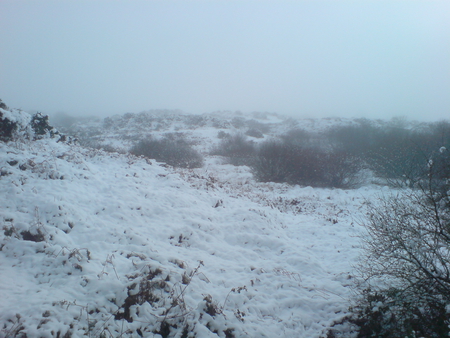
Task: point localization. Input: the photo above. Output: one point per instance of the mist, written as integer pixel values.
(374, 59)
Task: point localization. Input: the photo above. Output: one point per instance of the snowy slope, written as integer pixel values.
(122, 131)
(103, 244)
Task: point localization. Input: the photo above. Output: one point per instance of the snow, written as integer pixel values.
(82, 228)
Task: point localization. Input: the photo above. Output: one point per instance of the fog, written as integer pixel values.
(374, 59)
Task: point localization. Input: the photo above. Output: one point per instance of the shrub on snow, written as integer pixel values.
(404, 285)
(285, 161)
(16, 124)
(13, 124)
(175, 152)
(236, 148)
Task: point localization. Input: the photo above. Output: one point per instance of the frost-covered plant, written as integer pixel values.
(41, 126)
(8, 125)
(156, 301)
(19, 125)
(7, 128)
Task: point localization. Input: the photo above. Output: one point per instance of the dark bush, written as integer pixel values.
(274, 162)
(236, 148)
(3, 105)
(175, 152)
(297, 137)
(7, 128)
(221, 134)
(262, 127)
(400, 156)
(287, 161)
(253, 132)
(355, 139)
(238, 122)
(195, 121)
(393, 152)
(41, 126)
(341, 170)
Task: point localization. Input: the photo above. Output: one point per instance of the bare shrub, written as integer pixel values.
(393, 152)
(342, 170)
(273, 162)
(400, 156)
(285, 161)
(173, 151)
(262, 127)
(298, 137)
(404, 285)
(236, 148)
(355, 139)
(238, 122)
(221, 134)
(253, 132)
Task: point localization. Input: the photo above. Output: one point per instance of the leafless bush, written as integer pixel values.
(273, 162)
(236, 148)
(342, 170)
(253, 132)
(297, 137)
(262, 127)
(405, 271)
(393, 152)
(282, 161)
(173, 151)
(221, 134)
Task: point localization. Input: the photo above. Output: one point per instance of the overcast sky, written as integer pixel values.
(376, 59)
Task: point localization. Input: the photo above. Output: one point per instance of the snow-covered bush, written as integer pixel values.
(41, 126)
(3, 105)
(175, 152)
(7, 128)
(14, 124)
(405, 271)
(19, 125)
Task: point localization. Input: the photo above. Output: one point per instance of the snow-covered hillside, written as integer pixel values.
(104, 244)
(122, 131)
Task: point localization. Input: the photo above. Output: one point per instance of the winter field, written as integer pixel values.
(108, 244)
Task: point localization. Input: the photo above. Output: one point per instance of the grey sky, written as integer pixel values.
(304, 58)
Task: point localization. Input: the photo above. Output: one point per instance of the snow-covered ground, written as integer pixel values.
(110, 245)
